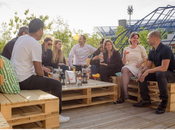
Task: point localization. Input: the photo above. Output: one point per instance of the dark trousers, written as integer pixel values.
(43, 83)
(78, 67)
(64, 67)
(106, 73)
(162, 78)
(94, 70)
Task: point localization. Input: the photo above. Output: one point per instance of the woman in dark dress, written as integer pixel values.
(58, 58)
(47, 55)
(112, 61)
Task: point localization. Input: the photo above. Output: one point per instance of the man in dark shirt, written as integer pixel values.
(163, 59)
(7, 51)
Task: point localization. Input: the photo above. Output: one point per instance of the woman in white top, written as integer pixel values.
(133, 56)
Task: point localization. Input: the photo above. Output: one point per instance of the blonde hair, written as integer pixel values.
(57, 55)
(113, 47)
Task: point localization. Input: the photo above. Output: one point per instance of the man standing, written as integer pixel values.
(80, 52)
(8, 48)
(163, 59)
(26, 59)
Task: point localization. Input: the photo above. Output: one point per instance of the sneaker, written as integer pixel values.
(64, 119)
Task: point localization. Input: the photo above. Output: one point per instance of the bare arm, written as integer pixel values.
(38, 68)
(71, 54)
(147, 69)
(124, 57)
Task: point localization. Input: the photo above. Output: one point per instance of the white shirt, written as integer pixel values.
(80, 54)
(25, 51)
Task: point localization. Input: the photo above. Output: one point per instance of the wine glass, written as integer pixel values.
(101, 57)
(94, 76)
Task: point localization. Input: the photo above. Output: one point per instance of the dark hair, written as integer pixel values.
(132, 35)
(35, 25)
(83, 37)
(47, 39)
(101, 42)
(23, 29)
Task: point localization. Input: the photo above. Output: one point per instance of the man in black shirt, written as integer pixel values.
(163, 59)
(8, 48)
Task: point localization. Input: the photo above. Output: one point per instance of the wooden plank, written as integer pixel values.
(101, 93)
(90, 84)
(73, 96)
(4, 101)
(1, 80)
(1, 63)
(154, 90)
(171, 98)
(6, 112)
(171, 88)
(133, 85)
(3, 123)
(29, 95)
(15, 98)
(52, 106)
(51, 123)
(134, 94)
(43, 95)
(73, 106)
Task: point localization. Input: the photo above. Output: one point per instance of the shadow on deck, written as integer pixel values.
(117, 116)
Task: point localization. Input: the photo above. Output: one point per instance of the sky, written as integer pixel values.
(82, 14)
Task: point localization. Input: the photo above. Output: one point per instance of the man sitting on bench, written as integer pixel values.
(26, 59)
(163, 59)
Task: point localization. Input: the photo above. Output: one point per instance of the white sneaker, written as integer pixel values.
(64, 119)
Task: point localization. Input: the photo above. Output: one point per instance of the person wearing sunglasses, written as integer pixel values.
(58, 58)
(47, 55)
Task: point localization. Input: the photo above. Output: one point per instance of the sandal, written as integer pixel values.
(119, 101)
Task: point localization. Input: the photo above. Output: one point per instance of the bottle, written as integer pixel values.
(101, 57)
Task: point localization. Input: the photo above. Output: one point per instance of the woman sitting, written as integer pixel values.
(112, 61)
(47, 55)
(133, 56)
(95, 59)
(58, 58)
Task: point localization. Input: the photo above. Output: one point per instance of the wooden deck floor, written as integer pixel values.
(117, 116)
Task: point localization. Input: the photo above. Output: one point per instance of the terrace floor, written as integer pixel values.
(117, 116)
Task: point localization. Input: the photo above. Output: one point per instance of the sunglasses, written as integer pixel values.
(49, 44)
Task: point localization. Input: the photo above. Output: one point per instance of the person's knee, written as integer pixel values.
(160, 75)
(57, 85)
(125, 70)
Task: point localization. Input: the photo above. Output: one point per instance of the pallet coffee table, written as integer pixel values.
(92, 93)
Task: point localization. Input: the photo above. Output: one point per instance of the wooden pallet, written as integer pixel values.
(153, 87)
(23, 108)
(95, 92)
(3, 123)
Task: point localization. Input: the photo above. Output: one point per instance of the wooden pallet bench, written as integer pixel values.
(3, 123)
(30, 106)
(95, 92)
(135, 97)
